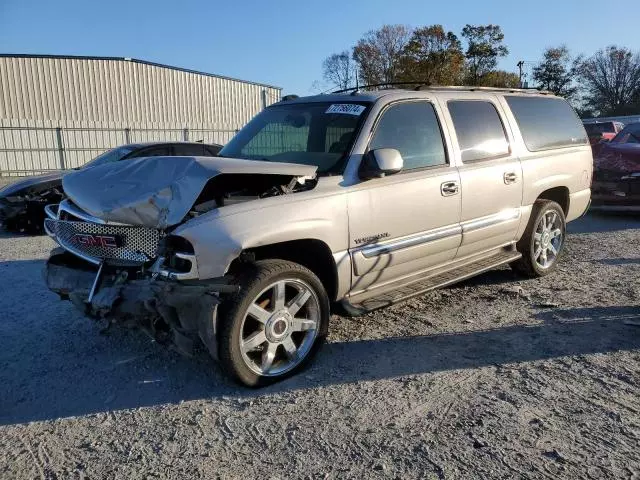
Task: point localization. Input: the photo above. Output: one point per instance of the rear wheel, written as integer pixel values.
(543, 240)
(274, 326)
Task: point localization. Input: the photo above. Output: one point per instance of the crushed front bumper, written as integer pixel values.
(177, 312)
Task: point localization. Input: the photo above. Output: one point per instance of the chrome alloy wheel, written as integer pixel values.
(280, 327)
(547, 239)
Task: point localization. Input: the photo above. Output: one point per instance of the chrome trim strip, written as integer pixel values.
(492, 220)
(431, 236)
(96, 283)
(48, 210)
(70, 208)
(192, 274)
(78, 253)
(49, 232)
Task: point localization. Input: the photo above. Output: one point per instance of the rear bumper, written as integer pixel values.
(178, 312)
(616, 195)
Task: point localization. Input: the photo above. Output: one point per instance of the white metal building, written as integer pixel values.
(83, 105)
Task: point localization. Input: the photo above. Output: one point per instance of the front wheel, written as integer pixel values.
(543, 240)
(274, 326)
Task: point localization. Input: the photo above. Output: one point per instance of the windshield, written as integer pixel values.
(317, 134)
(109, 156)
(630, 134)
(598, 128)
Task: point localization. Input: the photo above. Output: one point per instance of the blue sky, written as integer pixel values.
(283, 42)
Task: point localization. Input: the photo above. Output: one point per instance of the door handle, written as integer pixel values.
(449, 188)
(510, 177)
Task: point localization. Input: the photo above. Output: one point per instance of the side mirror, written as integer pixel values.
(381, 162)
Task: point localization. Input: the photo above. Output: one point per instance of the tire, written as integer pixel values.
(532, 246)
(257, 318)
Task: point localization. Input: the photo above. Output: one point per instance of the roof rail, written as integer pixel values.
(464, 88)
(424, 86)
(374, 85)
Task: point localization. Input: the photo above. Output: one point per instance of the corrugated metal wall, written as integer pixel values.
(124, 92)
(94, 99)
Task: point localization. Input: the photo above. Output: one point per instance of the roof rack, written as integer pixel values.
(423, 86)
(375, 85)
(464, 88)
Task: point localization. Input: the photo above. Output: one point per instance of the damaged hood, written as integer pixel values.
(158, 192)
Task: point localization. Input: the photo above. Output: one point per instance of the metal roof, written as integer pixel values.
(134, 60)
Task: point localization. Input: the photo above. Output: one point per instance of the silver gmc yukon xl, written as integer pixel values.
(349, 201)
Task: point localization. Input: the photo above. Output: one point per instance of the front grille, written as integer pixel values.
(139, 244)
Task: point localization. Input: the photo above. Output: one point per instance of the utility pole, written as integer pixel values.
(520, 65)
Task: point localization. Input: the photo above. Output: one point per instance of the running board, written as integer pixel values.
(430, 283)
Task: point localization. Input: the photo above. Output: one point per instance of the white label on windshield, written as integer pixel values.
(346, 108)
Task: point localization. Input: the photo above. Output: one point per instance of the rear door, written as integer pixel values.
(490, 174)
(405, 223)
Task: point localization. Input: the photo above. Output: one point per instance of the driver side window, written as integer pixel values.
(412, 128)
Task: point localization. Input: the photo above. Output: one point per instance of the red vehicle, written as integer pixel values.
(616, 177)
(601, 130)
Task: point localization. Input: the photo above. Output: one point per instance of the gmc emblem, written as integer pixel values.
(89, 240)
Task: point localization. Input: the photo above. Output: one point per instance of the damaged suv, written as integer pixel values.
(351, 201)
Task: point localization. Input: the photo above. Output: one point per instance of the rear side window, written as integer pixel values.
(188, 150)
(412, 128)
(547, 122)
(479, 130)
(159, 151)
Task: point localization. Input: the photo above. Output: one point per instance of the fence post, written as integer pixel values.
(127, 135)
(60, 147)
(185, 134)
(264, 99)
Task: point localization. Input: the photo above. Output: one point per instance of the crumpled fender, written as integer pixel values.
(219, 237)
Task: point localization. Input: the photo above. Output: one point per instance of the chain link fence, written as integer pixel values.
(34, 150)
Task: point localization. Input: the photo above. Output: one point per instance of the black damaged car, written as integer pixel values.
(22, 203)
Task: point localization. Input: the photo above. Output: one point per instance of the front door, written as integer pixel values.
(490, 175)
(403, 224)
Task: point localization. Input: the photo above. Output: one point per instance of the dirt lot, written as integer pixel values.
(495, 378)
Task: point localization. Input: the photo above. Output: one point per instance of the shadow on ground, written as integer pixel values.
(620, 261)
(595, 222)
(55, 363)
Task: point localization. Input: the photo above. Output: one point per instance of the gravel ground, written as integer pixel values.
(494, 378)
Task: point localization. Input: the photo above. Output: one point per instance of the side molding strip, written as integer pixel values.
(432, 236)
(438, 234)
(505, 216)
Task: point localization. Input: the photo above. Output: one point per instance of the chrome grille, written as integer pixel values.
(139, 244)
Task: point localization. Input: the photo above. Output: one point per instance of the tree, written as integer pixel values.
(484, 48)
(434, 56)
(378, 54)
(611, 79)
(556, 72)
(339, 70)
(500, 79)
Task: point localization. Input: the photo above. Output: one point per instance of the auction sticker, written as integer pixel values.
(346, 108)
